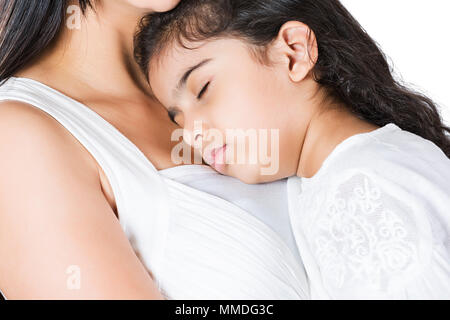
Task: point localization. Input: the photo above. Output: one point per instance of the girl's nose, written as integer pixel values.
(194, 133)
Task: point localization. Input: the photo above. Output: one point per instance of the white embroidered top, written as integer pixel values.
(374, 222)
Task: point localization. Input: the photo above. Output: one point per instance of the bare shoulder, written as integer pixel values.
(29, 134)
(19, 116)
(16, 110)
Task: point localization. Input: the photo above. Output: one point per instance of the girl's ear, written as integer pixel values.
(296, 45)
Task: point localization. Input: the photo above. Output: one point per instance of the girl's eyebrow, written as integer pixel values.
(182, 82)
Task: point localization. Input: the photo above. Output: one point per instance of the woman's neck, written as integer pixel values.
(97, 56)
(326, 130)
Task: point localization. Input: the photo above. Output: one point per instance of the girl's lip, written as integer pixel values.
(216, 158)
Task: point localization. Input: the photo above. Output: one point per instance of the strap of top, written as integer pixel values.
(93, 132)
(139, 190)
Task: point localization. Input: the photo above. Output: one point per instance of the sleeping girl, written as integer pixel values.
(369, 192)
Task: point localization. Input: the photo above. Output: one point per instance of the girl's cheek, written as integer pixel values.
(233, 114)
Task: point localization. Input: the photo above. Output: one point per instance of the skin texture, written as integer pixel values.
(56, 206)
(154, 5)
(279, 93)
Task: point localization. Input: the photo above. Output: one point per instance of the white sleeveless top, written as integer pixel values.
(374, 222)
(195, 244)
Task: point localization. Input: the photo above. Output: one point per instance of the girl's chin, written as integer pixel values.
(220, 168)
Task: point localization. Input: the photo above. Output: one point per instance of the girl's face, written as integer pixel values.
(244, 116)
(154, 5)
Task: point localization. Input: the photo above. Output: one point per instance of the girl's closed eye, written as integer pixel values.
(203, 91)
(174, 112)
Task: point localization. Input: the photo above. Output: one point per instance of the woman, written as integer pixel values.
(91, 205)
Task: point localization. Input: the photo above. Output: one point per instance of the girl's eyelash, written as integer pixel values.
(205, 88)
(172, 115)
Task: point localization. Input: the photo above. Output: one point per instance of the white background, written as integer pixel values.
(415, 35)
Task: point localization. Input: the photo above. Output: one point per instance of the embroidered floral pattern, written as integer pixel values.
(361, 237)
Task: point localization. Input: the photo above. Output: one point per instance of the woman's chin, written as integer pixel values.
(166, 6)
(155, 5)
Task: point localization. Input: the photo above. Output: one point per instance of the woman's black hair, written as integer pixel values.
(350, 66)
(27, 28)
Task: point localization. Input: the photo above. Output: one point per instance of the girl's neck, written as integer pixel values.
(97, 57)
(326, 130)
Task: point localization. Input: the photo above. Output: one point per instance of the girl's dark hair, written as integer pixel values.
(27, 28)
(350, 66)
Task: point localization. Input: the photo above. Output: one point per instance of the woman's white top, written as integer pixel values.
(268, 201)
(196, 245)
(374, 222)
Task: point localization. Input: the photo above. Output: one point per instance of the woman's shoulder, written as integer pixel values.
(20, 121)
(17, 113)
(32, 134)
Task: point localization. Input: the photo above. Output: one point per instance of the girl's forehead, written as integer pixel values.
(167, 69)
(176, 57)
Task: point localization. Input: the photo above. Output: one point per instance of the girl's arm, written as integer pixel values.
(59, 238)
